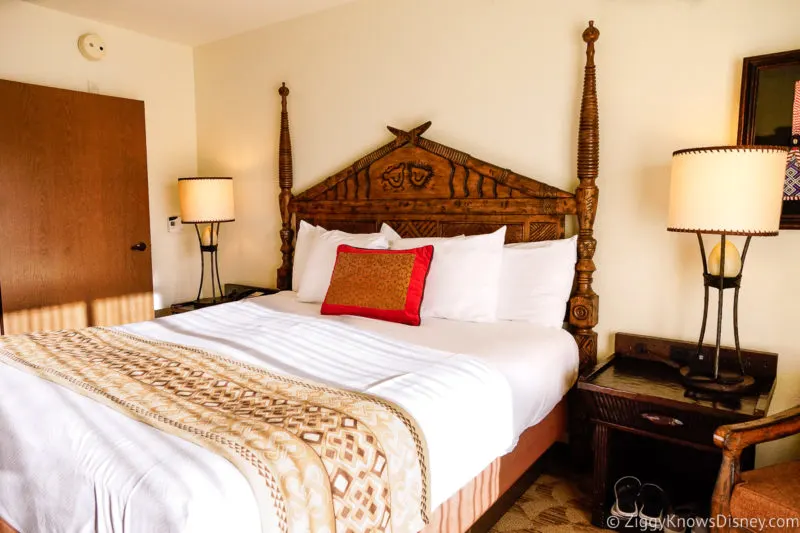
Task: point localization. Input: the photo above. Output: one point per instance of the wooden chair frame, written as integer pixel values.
(734, 439)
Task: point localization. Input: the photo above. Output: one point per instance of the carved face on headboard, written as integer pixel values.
(406, 175)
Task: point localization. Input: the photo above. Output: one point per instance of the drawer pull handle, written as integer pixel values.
(661, 420)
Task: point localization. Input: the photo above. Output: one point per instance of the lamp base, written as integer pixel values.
(726, 383)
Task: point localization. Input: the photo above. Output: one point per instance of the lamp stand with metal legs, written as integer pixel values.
(207, 200)
(701, 373)
(211, 250)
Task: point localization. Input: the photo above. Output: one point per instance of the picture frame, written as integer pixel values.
(765, 109)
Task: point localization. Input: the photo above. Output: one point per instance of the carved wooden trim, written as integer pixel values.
(600, 445)
(583, 305)
(285, 179)
(529, 206)
(406, 174)
(527, 187)
(543, 231)
(432, 188)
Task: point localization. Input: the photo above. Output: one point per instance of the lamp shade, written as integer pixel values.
(735, 190)
(206, 200)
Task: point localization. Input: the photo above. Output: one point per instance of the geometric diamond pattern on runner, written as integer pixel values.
(353, 457)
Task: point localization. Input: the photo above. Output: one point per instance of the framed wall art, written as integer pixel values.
(769, 102)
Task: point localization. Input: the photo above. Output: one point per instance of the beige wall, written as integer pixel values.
(501, 79)
(38, 45)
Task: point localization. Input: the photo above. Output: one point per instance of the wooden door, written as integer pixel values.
(73, 203)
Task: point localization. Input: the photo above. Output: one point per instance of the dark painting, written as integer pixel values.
(765, 109)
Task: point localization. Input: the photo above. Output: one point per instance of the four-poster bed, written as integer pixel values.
(422, 188)
(427, 189)
(262, 377)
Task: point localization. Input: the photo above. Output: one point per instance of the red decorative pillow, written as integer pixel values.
(382, 284)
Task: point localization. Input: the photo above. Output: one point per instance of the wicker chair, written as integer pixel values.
(772, 492)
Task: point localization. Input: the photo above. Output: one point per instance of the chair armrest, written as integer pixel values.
(736, 437)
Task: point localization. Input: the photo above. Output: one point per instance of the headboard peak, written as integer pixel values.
(411, 135)
(415, 167)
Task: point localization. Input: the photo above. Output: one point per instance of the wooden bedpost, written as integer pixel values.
(285, 177)
(584, 303)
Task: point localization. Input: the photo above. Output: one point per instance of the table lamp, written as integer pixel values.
(724, 190)
(207, 201)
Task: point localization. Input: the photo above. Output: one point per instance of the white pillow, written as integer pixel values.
(389, 232)
(319, 267)
(464, 280)
(306, 235)
(415, 242)
(536, 281)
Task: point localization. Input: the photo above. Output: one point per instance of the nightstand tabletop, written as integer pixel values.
(646, 425)
(655, 382)
(233, 292)
(646, 368)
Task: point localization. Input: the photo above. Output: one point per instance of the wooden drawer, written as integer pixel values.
(658, 419)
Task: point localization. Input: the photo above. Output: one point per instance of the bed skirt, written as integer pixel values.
(464, 508)
(458, 513)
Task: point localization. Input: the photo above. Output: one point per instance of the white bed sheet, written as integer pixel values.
(540, 363)
(70, 464)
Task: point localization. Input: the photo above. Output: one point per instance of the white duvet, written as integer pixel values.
(68, 464)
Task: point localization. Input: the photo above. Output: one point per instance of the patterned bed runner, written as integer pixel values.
(319, 459)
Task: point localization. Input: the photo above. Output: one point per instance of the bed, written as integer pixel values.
(485, 413)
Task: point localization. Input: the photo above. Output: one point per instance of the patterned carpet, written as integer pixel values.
(557, 503)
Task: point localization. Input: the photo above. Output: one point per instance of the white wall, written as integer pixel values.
(501, 79)
(38, 45)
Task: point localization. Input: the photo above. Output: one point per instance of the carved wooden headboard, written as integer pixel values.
(423, 189)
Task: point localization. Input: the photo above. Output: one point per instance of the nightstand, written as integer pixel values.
(233, 292)
(646, 424)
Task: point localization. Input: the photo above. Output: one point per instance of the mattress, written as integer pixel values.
(68, 463)
(539, 363)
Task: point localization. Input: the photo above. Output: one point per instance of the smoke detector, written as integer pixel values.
(92, 46)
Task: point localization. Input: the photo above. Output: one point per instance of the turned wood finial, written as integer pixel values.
(285, 171)
(590, 36)
(584, 304)
(285, 181)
